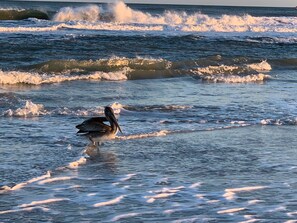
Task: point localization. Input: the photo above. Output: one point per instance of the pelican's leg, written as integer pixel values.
(93, 142)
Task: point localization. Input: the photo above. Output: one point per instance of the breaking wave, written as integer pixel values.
(119, 12)
(121, 69)
(120, 17)
(104, 65)
(17, 77)
(30, 109)
(234, 74)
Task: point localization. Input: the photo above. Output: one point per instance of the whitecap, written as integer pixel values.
(18, 77)
(254, 202)
(30, 109)
(54, 179)
(230, 211)
(235, 78)
(164, 193)
(195, 185)
(144, 135)
(89, 13)
(42, 202)
(263, 66)
(110, 202)
(231, 192)
(128, 177)
(23, 184)
(77, 163)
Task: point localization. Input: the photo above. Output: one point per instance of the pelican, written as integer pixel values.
(97, 130)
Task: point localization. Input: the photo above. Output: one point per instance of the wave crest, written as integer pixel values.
(29, 110)
(236, 79)
(18, 77)
(117, 13)
(104, 65)
(89, 13)
(121, 69)
(234, 74)
(14, 14)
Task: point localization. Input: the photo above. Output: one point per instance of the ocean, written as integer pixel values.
(205, 97)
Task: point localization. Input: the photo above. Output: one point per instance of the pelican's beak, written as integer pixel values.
(113, 118)
(117, 124)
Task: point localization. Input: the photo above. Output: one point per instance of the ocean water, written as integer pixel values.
(205, 96)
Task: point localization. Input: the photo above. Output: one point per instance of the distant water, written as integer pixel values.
(205, 96)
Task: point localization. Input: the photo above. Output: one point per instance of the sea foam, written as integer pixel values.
(17, 77)
(29, 110)
(120, 17)
(89, 13)
(235, 73)
(231, 192)
(110, 202)
(120, 13)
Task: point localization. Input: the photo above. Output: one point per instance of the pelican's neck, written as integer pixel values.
(114, 128)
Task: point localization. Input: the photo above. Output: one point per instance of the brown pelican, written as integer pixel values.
(97, 130)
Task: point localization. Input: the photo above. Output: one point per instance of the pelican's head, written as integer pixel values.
(109, 114)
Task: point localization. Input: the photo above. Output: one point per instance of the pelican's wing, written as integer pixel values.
(93, 125)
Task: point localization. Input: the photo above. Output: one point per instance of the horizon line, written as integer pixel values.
(148, 3)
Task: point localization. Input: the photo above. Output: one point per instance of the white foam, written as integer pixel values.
(119, 17)
(169, 211)
(29, 110)
(164, 193)
(54, 179)
(31, 29)
(233, 74)
(200, 196)
(236, 79)
(113, 27)
(23, 184)
(124, 216)
(128, 177)
(231, 192)
(77, 163)
(169, 190)
(211, 70)
(48, 201)
(254, 202)
(291, 214)
(151, 199)
(110, 202)
(212, 201)
(203, 23)
(17, 77)
(89, 13)
(263, 66)
(195, 185)
(145, 135)
(230, 211)
(117, 107)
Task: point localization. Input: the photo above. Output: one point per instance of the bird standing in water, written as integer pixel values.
(97, 130)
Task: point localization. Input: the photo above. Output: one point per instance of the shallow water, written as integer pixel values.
(208, 115)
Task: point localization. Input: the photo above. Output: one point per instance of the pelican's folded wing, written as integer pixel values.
(93, 125)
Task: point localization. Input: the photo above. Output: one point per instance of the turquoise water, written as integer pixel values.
(205, 97)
